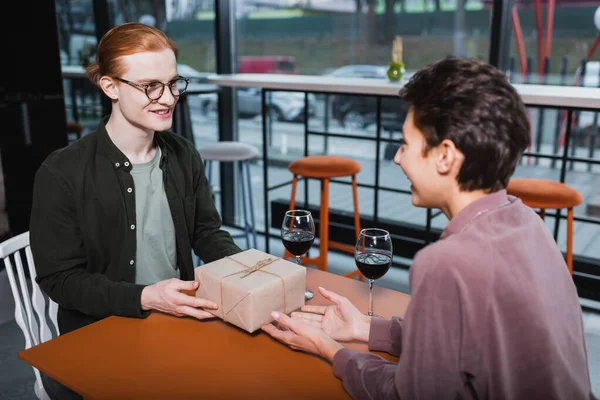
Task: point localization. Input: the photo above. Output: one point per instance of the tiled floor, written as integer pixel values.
(16, 377)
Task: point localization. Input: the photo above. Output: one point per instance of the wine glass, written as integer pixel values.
(298, 235)
(373, 257)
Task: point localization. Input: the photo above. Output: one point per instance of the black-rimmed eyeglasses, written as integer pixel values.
(155, 89)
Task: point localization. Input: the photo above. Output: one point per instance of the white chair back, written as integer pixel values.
(35, 313)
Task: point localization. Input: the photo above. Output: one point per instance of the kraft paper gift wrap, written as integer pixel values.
(249, 285)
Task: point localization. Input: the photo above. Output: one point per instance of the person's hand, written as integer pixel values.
(341, 321)
(302, 336)
(166, 296)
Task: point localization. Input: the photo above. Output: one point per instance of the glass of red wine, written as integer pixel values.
(373, 256)
(298, 235)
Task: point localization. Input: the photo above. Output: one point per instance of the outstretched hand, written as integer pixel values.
(341, 321)
(302, 336)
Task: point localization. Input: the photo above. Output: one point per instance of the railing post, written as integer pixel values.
(541, 112)
(576, 114)
(103, 24)
(326, 125)
(377, 161)
(265, 159)
(500, 34)
(563, 80)
(594, 131)
(227, 106)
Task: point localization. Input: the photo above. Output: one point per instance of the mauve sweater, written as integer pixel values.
(494, 314)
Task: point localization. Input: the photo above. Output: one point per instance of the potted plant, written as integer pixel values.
(396, 70)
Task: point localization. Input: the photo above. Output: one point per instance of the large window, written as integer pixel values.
(321, 36)
(77, 39)
(559, 45)
(551, 45)
(352, 39)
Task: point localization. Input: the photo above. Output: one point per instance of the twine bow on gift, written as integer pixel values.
(258, 267)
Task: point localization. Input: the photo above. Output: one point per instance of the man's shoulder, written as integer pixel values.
(455, 259)
(452, 250)
(70, 157)
(181, 153)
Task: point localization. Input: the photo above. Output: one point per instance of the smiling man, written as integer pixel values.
(494, 313)
(117, 214)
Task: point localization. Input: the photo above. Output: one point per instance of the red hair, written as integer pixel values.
(123, 40)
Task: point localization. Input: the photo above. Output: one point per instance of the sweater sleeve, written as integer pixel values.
(386, 335)
(429, 366)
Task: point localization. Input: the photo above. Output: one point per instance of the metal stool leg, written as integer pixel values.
(287, 254)
(252, 224)
(243, 189)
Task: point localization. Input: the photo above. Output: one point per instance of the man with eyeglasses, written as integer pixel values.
(117, 214)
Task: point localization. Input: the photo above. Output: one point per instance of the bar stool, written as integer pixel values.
(240, 153)
(74, 128)
(545, 194)
(325, 168)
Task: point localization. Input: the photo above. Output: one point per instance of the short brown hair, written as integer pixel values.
(123, 40)
(472, 104)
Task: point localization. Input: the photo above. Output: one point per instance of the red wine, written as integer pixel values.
(298, 243)
(373, 265)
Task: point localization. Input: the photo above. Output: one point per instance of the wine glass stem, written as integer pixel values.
(298, 260)
(370, 313)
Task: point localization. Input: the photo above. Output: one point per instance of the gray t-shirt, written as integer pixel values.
(155, 231)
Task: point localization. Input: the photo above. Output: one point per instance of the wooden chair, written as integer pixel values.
(27, 303)
(325, 168)
(546, 194)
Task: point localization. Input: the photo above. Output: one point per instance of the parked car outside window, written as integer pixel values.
(358, 112)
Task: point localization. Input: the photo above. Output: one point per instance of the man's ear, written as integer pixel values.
(109, 87)
(448, 157)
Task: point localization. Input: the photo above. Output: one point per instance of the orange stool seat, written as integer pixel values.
(75, 127)
(545, 194)
(325, 168)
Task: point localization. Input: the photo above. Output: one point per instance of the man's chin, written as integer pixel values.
(163, 125)
(415, 199)
(419, 202)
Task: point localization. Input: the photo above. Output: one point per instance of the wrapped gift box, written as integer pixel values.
(249, 285)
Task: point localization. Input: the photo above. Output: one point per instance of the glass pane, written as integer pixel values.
(77, 39)
(397, 208)
(561, 59)
(148, 12)
(586, 235)
(586, 239)
(190, 24)
(549, 147)
(337, 38)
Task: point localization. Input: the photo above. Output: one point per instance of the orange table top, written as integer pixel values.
(168, 357)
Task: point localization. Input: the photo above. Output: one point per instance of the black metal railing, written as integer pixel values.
(409, 238)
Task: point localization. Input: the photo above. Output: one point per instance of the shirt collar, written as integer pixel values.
(469, 213)
(116, 156)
